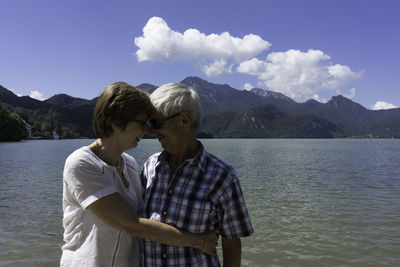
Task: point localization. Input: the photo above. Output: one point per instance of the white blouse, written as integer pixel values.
(88, 240)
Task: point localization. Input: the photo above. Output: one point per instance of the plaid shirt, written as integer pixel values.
(204, 193)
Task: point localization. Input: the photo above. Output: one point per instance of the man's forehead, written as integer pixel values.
(157, 115)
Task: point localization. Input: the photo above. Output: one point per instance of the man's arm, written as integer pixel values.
(232, 252)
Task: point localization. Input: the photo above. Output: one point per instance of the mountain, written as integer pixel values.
(227, 112)
(147, 87)
(271, 95)
(352, 118)
(312, 104)
(268, 122)
(66, 101)
(12, 99)
(57, 114)
(215, 98)
(348, 117)
(81, 107)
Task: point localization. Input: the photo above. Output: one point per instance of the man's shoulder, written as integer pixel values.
(213, 162)
(220, 176)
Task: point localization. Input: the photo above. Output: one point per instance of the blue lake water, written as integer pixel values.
(311, 202)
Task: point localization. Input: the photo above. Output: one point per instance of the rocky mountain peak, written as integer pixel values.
(341, 102)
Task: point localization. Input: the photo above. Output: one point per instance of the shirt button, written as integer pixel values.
(164, 256)
(164, 212)
(170, 192)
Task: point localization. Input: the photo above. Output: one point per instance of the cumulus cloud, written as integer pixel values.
(351, 94)
(37, 95)
(319, 99)
(383, 105)
(248, 86)
(216, 68)
(160, 43)
(299, 75)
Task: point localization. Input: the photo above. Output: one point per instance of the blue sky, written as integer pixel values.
(302, 48)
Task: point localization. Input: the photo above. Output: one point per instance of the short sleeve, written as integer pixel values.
(234, 220)
(86, 180)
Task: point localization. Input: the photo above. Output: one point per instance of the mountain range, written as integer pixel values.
(227, 113)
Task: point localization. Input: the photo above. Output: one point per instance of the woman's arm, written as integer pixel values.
(116, 212)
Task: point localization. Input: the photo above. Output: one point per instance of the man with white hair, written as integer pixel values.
(189, 188)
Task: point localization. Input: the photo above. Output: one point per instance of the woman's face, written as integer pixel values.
(130, 137)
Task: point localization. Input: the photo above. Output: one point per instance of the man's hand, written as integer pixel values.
(210, 243)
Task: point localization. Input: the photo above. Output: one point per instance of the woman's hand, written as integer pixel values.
(210, 242)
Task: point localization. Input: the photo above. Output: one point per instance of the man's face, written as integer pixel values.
(170, 133)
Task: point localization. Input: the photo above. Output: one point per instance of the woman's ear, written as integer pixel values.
(116, 128)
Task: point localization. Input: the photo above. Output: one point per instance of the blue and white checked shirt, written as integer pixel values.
(204, 193)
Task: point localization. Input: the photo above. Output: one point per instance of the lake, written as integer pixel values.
(329, 202)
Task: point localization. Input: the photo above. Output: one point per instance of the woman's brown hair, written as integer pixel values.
(119, 104)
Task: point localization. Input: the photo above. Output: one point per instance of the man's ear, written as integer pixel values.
(186, 120)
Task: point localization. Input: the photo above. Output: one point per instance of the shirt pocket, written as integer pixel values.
(196, 215)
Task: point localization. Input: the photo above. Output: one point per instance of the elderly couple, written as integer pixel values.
(168, 213)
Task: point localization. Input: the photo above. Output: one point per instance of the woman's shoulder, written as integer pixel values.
(82, 157)
(130, 161)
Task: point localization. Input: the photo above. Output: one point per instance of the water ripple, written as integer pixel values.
(311, 202)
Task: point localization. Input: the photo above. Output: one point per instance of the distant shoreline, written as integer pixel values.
(222, 138)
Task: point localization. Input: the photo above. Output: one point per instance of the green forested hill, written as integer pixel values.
(227, 113)
(12, 127)
(46, 118)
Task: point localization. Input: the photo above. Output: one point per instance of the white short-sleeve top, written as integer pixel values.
(88, 240)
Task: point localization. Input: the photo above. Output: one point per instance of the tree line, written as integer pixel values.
(12, 126)
(15, 122)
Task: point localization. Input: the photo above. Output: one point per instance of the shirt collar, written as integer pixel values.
(198, 160)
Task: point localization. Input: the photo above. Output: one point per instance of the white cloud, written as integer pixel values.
(299, 75)
(383, 105)
(160, 42)
(319, 99)
(253, 66)
(218, 67)
(37, 95)
(351, 94)
(248, 86)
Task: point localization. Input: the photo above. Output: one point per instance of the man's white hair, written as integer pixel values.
(172, 98)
